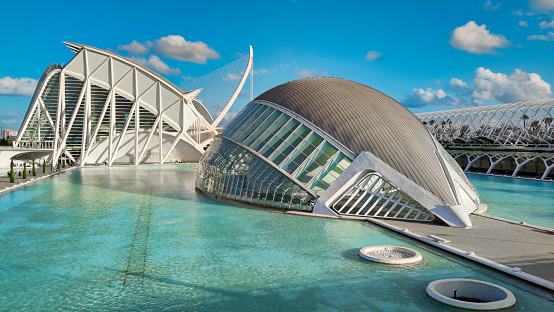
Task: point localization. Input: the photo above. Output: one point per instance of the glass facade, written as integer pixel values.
(295, 148)
(228, 170)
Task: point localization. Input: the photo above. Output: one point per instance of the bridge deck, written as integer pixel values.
(503, 242)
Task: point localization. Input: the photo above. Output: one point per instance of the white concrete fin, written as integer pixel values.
(149, 96)
(94, 60)
(144, 81)
(126, 84)
(119, 69)
(77, 64)
(168, 97)
(453, 215)
(101, 74)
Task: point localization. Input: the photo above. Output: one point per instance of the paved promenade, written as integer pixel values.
(505, 242)
(5, 179)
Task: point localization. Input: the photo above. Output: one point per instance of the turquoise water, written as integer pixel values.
(517, 199)
(144, 240)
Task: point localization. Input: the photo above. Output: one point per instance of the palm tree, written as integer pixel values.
(34, 170)
(524, 117)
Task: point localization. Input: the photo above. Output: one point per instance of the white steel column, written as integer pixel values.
(135, 82)
(59, 108)
(160, 121)
(112, 112)
(85, 135)
(251, 74)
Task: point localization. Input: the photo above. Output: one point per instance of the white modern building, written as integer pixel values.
(336, 147)
(103, 108)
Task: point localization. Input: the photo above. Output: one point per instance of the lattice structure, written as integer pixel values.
(101, 107)
(374, 196)
(521, 125)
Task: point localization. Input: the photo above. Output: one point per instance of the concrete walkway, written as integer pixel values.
(6, 185)
(502, 241)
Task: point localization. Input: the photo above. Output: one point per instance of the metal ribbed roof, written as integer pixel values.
(364, 119)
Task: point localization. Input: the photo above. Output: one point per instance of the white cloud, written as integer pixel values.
(523, 23)
(518, 13)
(176, 47)
(155, 63)
(548, 37)
(134, 47)
(17, 86)
(231, 77)
(261, 71)
(487, 85)
(542, 5)
(458, 82)
(477, 39)
(490, 7)
(518, 87)
(544, 24)
(242, 93)
(9, 122)
(420, 98)
(304, 73)
(373, 55)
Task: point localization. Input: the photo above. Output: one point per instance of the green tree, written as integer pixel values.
(24, 170)
(12, 176)
(44, 166)
(34, 170)
(63, 163)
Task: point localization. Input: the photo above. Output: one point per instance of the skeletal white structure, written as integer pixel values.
(104, 108)
(526, 125)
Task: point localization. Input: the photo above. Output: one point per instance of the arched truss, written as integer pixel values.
(102, 99)
(519, 125)
(519, 162)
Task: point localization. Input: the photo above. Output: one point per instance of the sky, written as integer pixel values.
(428, 55)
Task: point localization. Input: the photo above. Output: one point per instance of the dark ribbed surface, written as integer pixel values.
(364, 119)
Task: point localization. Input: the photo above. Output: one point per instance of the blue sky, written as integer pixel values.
(428, 55)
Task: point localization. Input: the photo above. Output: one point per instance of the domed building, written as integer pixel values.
(336, 147)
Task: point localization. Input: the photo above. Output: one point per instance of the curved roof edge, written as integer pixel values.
(77, 47)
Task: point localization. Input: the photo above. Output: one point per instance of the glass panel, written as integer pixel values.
(268, 135)
(279, 138)
(248, 122)
(231, 128)
(255, 124)
(228, 170)
(263, 127)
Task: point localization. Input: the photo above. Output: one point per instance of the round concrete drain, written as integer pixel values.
(388, 254)
(471, 294)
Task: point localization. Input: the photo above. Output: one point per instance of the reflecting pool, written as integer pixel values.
(517, 199)
(142, 239)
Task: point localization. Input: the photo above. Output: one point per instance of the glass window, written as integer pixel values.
(228, 170)
(248, 122)
(255, 124)
(279, 138)
(232, 127)
(268, 135)
(263, 127)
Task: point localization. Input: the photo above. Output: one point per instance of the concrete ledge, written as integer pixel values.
(33, 180)
(514, 271)
(471, 294)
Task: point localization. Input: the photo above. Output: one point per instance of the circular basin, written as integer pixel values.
(471, 294)
(389, 254)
